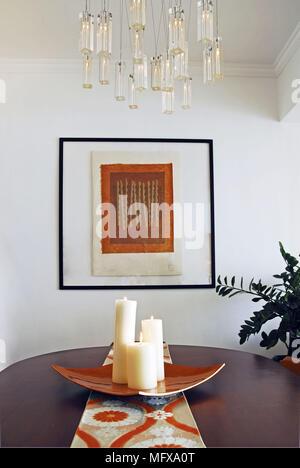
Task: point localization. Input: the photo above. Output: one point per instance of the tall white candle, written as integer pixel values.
(152, 330)
(141, 365)
(124, 334)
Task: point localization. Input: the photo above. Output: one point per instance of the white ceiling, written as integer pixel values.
(254, 31)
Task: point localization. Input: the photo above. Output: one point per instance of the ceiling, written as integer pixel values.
(254, 31)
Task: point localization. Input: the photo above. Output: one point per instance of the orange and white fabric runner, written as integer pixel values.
(137, 422)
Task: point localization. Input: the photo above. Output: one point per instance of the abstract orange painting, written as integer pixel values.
(142, 198)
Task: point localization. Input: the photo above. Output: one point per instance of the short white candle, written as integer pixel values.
(152, 330)
(141, 365)
(124, 334)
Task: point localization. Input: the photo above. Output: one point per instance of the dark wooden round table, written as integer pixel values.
(252, 402)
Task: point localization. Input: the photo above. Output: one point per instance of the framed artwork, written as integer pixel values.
(136, 213)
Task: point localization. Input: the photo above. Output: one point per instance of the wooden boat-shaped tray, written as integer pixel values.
(177, 379)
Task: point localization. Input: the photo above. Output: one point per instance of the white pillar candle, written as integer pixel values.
(124, 334)
(153, 333)
(141, 365)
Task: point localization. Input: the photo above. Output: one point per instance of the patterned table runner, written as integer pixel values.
(137, 422)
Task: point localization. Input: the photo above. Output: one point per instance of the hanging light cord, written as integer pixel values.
(217, 18)
(106, 5)
(121, 30)
(189, 21)
(156, 36)
(128, 24)
(159, 26)
(154, 31)
(165, 24)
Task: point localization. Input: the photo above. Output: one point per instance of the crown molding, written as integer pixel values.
(74, 66)
(40, 66)
(288, 51)
(250, 70)
(240, 70)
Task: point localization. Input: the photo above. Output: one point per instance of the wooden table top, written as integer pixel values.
(252, 402)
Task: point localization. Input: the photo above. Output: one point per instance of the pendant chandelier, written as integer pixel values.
(169, 66)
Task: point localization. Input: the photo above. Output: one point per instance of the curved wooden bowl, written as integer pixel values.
(177, 379)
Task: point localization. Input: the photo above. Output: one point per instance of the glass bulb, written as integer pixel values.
(187, 94)
(168, 99)
(137, 14)
(104, 33)
(205, 20)
(132, 101)
(104, 69)
(218, 59)
(140, 73)
(176, 30)
(208, 75)
(87, 72)
(86, 39)
(156, 73)
(181, 62)
(137, 38)
(120, 78)
(167, 76)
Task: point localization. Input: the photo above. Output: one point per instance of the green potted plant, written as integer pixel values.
(281, 301)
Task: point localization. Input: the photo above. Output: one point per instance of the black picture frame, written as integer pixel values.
(62, 141)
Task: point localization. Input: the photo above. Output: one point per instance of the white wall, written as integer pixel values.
(257, 176)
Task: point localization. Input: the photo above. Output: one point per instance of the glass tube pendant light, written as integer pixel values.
(87, 72)
(104, 69)
(181, 64)
(167, 77)
(104, 32)
(120, 65)
(140, 73)
(218, 50)
(120, 77)
(144, 77)
(104, 44)
(132, 98)
(218, 59)
(137, 14)
(168, 98)
(187, 94)
(176, 30)
(205, 20)
(156, 73)
(208, 74)
(86, 38)
(137, 40)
